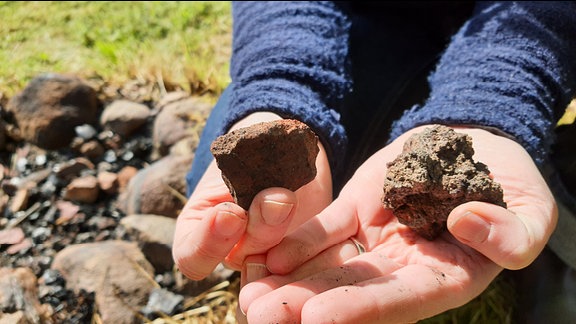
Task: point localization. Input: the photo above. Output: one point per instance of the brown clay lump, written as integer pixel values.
(280, 153)
(435, 173)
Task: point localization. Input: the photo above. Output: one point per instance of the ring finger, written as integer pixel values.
(255, 266)
(332, 257)
(333, 225)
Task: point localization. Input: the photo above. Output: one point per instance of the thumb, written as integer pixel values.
(510, 239)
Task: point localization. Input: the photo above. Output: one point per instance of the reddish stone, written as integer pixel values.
(49, 108)
(280, 153)
(84, 189)
(108, 182)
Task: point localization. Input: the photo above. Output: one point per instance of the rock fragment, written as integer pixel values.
(50, 107)
(116, 271)
(158, 188)
(435, 173)
(177, 120)
(281, 153)
(124, 117)
(18, 293)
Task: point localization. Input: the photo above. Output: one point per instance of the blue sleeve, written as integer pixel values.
(512, 66)
(291, 58)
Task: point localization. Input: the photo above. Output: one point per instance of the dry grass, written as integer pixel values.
(217, 305)
(185, 44)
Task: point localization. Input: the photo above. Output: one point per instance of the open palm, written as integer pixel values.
(319, 278)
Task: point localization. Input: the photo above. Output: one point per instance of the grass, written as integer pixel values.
(184, 43)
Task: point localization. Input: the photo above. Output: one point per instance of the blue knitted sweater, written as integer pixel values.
(511, 66)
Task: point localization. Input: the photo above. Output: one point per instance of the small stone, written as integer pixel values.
(40, 159)
(52, 277)
(84, 189)
(435, 173)
(85, 131)
(21, 247)
(124, 117)
(116, 271)
(18, 292)
(155, 235)
(124, 176)
(281, 153)
(158, 189)
(11, 236)
(108, 182)
(40, 234)
(177, 120)
(72, 168)
(110, 156)
(20, 200)
(91, 149)
(163, 301)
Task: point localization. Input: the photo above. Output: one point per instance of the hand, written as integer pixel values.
(212, 229)
(402, 277)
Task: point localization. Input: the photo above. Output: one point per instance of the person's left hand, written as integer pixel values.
(319, 276)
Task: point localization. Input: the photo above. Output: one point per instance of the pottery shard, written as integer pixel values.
(435, 173)
(280, 153)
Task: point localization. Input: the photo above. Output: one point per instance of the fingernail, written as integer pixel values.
(471, 227)
(227, 223)
(241, 318)
(275, 213)
(255, 271)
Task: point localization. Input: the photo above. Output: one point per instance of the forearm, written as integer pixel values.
(511, 67)
(290, 59)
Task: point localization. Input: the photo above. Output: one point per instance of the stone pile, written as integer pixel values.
(91, 184)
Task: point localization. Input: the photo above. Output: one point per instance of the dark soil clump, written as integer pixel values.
(435, 173)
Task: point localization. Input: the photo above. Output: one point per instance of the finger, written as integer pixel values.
(406, 295)
(254, 269)
(270, 216)
(359, 199)
(204, 237)
(283, 303)
(511, 238)
(330, 258)
(333, 225)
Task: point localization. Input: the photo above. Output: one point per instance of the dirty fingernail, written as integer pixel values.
(255, 271)
(471, 227)
(227, 223)
(275, 213)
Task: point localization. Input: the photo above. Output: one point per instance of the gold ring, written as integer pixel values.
(361, 249)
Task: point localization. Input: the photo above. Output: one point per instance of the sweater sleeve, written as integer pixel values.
(290, 58)
(512, 67)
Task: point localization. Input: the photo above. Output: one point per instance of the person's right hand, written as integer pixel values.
(212, 229)
(399, 276)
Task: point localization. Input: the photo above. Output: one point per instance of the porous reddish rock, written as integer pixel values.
(435, 173)
(280, 153)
